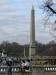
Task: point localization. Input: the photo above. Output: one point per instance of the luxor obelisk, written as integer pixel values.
(32, 47)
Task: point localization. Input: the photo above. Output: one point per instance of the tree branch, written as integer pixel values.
(54, 12)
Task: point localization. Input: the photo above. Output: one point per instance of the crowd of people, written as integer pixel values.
(24, 66)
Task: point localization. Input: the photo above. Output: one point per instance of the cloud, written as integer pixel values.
(9, 30)
(15, 21)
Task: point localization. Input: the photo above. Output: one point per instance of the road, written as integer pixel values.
(38, 73)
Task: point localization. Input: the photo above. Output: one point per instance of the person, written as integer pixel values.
(9, 64)
(23, 67)
(27, 67)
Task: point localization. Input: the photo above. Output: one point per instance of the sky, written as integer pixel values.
(15, 21)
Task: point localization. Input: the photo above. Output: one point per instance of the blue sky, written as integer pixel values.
(15, 21)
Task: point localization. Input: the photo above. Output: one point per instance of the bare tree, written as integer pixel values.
(48, 6)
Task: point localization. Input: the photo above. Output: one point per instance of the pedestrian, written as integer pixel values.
(9, 64)
(27, 67)
(23, 67)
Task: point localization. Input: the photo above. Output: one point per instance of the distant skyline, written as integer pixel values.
(15, 21)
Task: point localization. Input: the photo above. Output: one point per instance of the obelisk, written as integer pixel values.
(32, 47)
